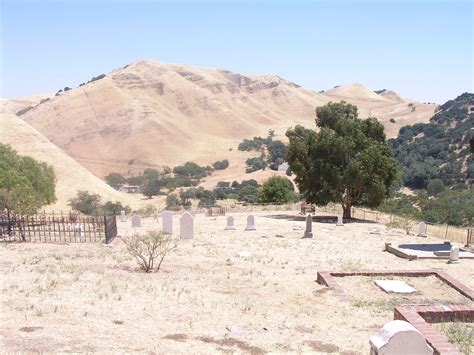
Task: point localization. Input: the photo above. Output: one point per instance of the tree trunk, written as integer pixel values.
(346, 211)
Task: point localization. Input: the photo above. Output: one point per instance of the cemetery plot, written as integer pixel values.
(414, 251)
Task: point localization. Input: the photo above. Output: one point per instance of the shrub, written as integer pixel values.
(277, 189)
(86, 203)
(254, 164)
(392, 120)
(115, 207)
(146, 248)
(24, 110)
(402, 222)
(191, 170)
(221, 164)
(172, 202)
(115, 180)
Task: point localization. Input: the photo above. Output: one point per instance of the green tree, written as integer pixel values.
(435, 187)
(277, 189)
(172, 202)
(25, 184)
(151, 188)
(249, 194)
(115, 180)
(115, 207)
(86, 203)
(348, 161)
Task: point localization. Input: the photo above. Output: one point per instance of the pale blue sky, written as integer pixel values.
(421, 49)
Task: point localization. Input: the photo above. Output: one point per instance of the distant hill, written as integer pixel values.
(150, 114)
(440, 149)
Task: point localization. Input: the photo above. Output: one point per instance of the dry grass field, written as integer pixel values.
(207, 298)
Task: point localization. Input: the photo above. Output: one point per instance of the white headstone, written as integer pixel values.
(136, 221)
(308, 233)
(422, 229)
(250, 223)
(399, 337)
(186, 226)
(167, 222)
(123, 218)
(230, 224)
(339, 221)
(454, 255)
(395, 286)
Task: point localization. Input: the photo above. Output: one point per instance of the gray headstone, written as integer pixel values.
(339, 221)
(250, 223)
(123, 217)
(454, 255)
(308, 233)
(399, 337)
(136, 221)
(186, 226)
(422, 229)
(230, 224)
(167, 222)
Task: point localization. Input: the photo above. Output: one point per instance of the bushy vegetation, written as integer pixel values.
(25, 184)
(272, 152)
(221, 164)
(278, 190)
(24, 110)
(91, 204)
(439, 149)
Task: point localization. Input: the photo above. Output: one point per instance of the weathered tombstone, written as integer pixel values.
(399, 337)
(167, 222)
(339, 221)
(230, 224)
(123, 218)
(250, 223)
(186, 226)
(136, 221)
(308, 233)
(422, 229)
(454, 255)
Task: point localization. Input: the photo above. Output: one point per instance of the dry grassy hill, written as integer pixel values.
(150, 114)
(70, 175)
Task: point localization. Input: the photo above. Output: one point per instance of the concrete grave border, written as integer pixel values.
(405, 254)
(421, 316)
(328, 278)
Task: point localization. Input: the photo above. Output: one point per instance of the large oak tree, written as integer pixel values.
(348, 161)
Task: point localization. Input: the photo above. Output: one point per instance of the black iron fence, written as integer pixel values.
(57, 228)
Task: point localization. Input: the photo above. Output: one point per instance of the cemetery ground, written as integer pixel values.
(206, 298)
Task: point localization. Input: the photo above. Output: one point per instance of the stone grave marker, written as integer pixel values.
(136, 221)
(339, 221)
(308, 233)
(250, 223)
(422, 229)
(167, 222)
(395, 286)
(230, 224)
(123, 217)
(186, 226)
(454, 255)
(399, 337)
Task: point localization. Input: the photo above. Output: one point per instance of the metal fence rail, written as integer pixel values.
(57, 228)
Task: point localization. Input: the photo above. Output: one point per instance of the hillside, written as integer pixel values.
(70, 175)
(441, 148)
(149, 114)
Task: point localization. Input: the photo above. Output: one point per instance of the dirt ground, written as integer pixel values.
(207, 298)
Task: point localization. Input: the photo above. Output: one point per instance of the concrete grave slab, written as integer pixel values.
(426, 251)
(395, 286)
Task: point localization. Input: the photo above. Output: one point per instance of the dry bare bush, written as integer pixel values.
(402, 222)
(146, 248)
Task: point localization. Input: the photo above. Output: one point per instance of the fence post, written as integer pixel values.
(446, 234)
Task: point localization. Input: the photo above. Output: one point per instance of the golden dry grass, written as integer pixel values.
(206, 298)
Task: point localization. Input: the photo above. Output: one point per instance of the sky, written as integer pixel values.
(421, 49)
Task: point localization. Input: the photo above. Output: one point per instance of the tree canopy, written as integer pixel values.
(25, 184)
(278, 190)
(348, 161)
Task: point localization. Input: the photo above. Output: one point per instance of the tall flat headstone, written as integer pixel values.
(136, 221)
(250, 223)
(399, 337)
(123, 217)
(454, 255)
(186, 226)
(308, 233)
(339, 221)
(230, 224)
(422, 229)
(167, 222)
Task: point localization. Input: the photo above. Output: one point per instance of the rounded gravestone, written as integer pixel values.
(250, 223)
(230, 224)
